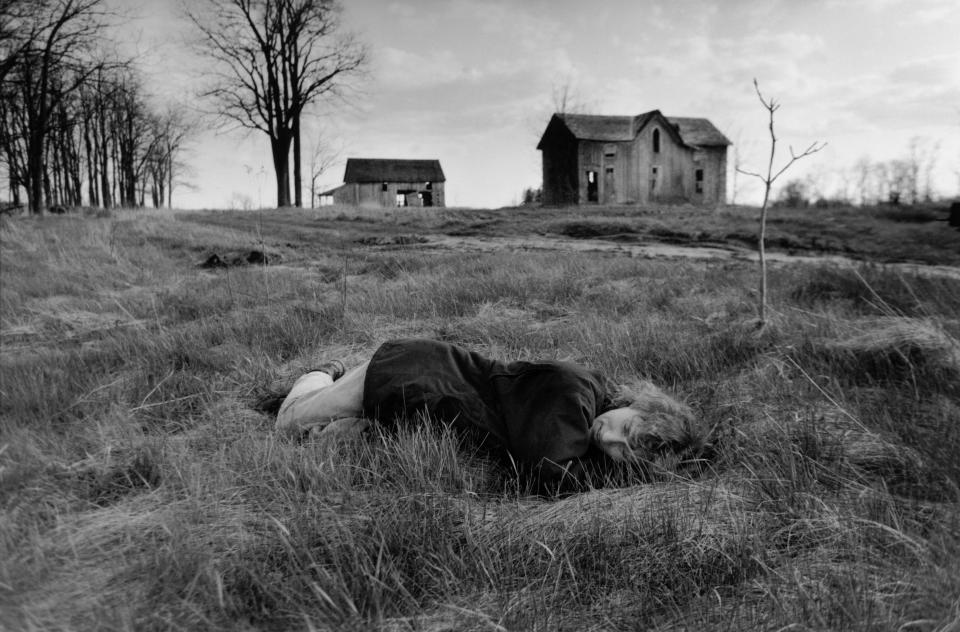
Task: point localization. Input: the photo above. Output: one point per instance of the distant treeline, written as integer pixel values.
(76, 126)
(907, 180)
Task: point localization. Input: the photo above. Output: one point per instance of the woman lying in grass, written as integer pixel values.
(549, 417)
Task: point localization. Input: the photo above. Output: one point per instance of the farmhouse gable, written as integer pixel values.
(629, 159)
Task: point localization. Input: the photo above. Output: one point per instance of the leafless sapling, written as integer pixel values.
(323, 156)
(768, 179)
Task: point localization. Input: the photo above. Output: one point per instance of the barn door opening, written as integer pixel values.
(593, 193)
(426, 196)
(609, 186)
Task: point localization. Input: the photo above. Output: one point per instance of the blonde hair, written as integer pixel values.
(662, 421)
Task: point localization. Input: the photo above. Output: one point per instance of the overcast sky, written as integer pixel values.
(469, 82)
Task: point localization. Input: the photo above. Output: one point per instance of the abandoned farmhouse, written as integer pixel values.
(628, 159)
(390, 182)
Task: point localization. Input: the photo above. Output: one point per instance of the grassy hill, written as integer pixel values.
(138, 489)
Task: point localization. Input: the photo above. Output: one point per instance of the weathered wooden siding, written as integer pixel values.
(559, 167)
(713, 162)
(715, 175)
(371, 194)
(616, 187)
(672, 163)
(589, 159)
(632, 164)
(345, 194)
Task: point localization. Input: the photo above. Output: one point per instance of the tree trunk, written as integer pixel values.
(91, 164)
(762, 252)
(45, 176)
(14, 188)
(105, 198)
(281, 166)
(35, 171)
(297, 179)
(116, 193)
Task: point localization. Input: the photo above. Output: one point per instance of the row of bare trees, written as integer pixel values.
(909, 179)
(75, 125)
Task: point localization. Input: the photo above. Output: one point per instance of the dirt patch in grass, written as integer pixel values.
(391, 240)
(590, 230)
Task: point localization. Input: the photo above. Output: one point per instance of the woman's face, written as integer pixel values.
(611, 432)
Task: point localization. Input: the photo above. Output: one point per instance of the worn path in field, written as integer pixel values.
(486, 233)
(660, 250)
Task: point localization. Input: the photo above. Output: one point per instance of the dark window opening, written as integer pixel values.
(427, 198)
(383, 187)
(654, 172)
(656, 141)
(428, 186)
(699, 178)
(593, 192)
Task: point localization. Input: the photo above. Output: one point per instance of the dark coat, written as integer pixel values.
(540, 412)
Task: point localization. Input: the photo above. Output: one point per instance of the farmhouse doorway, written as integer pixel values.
(592, 187)
(609, 186)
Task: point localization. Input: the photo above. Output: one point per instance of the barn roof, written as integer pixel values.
(692, 131)
(392, 170)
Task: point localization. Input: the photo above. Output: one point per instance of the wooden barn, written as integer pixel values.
(390, 182)
(630, 159)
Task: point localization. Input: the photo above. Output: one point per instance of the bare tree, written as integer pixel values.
(921, 160)
(863, 173)
(768, 179)
(172, 131)
(898, 177)
(737, 161)
(15, 15)
(13, 136)
(273, 59)
(567, 99)
(879, 174)
(319, 59)
(323, 156)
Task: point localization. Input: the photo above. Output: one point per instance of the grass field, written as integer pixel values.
(139, 490)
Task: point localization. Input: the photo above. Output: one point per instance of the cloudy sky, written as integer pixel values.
(470, 82)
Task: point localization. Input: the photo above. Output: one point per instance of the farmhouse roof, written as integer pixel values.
(392, 170)
(596, 127)
(698, 131)
(695, 132)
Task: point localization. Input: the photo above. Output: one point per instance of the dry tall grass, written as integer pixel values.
(139, 490)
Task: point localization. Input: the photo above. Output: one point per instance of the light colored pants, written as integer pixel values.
(318, 405)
